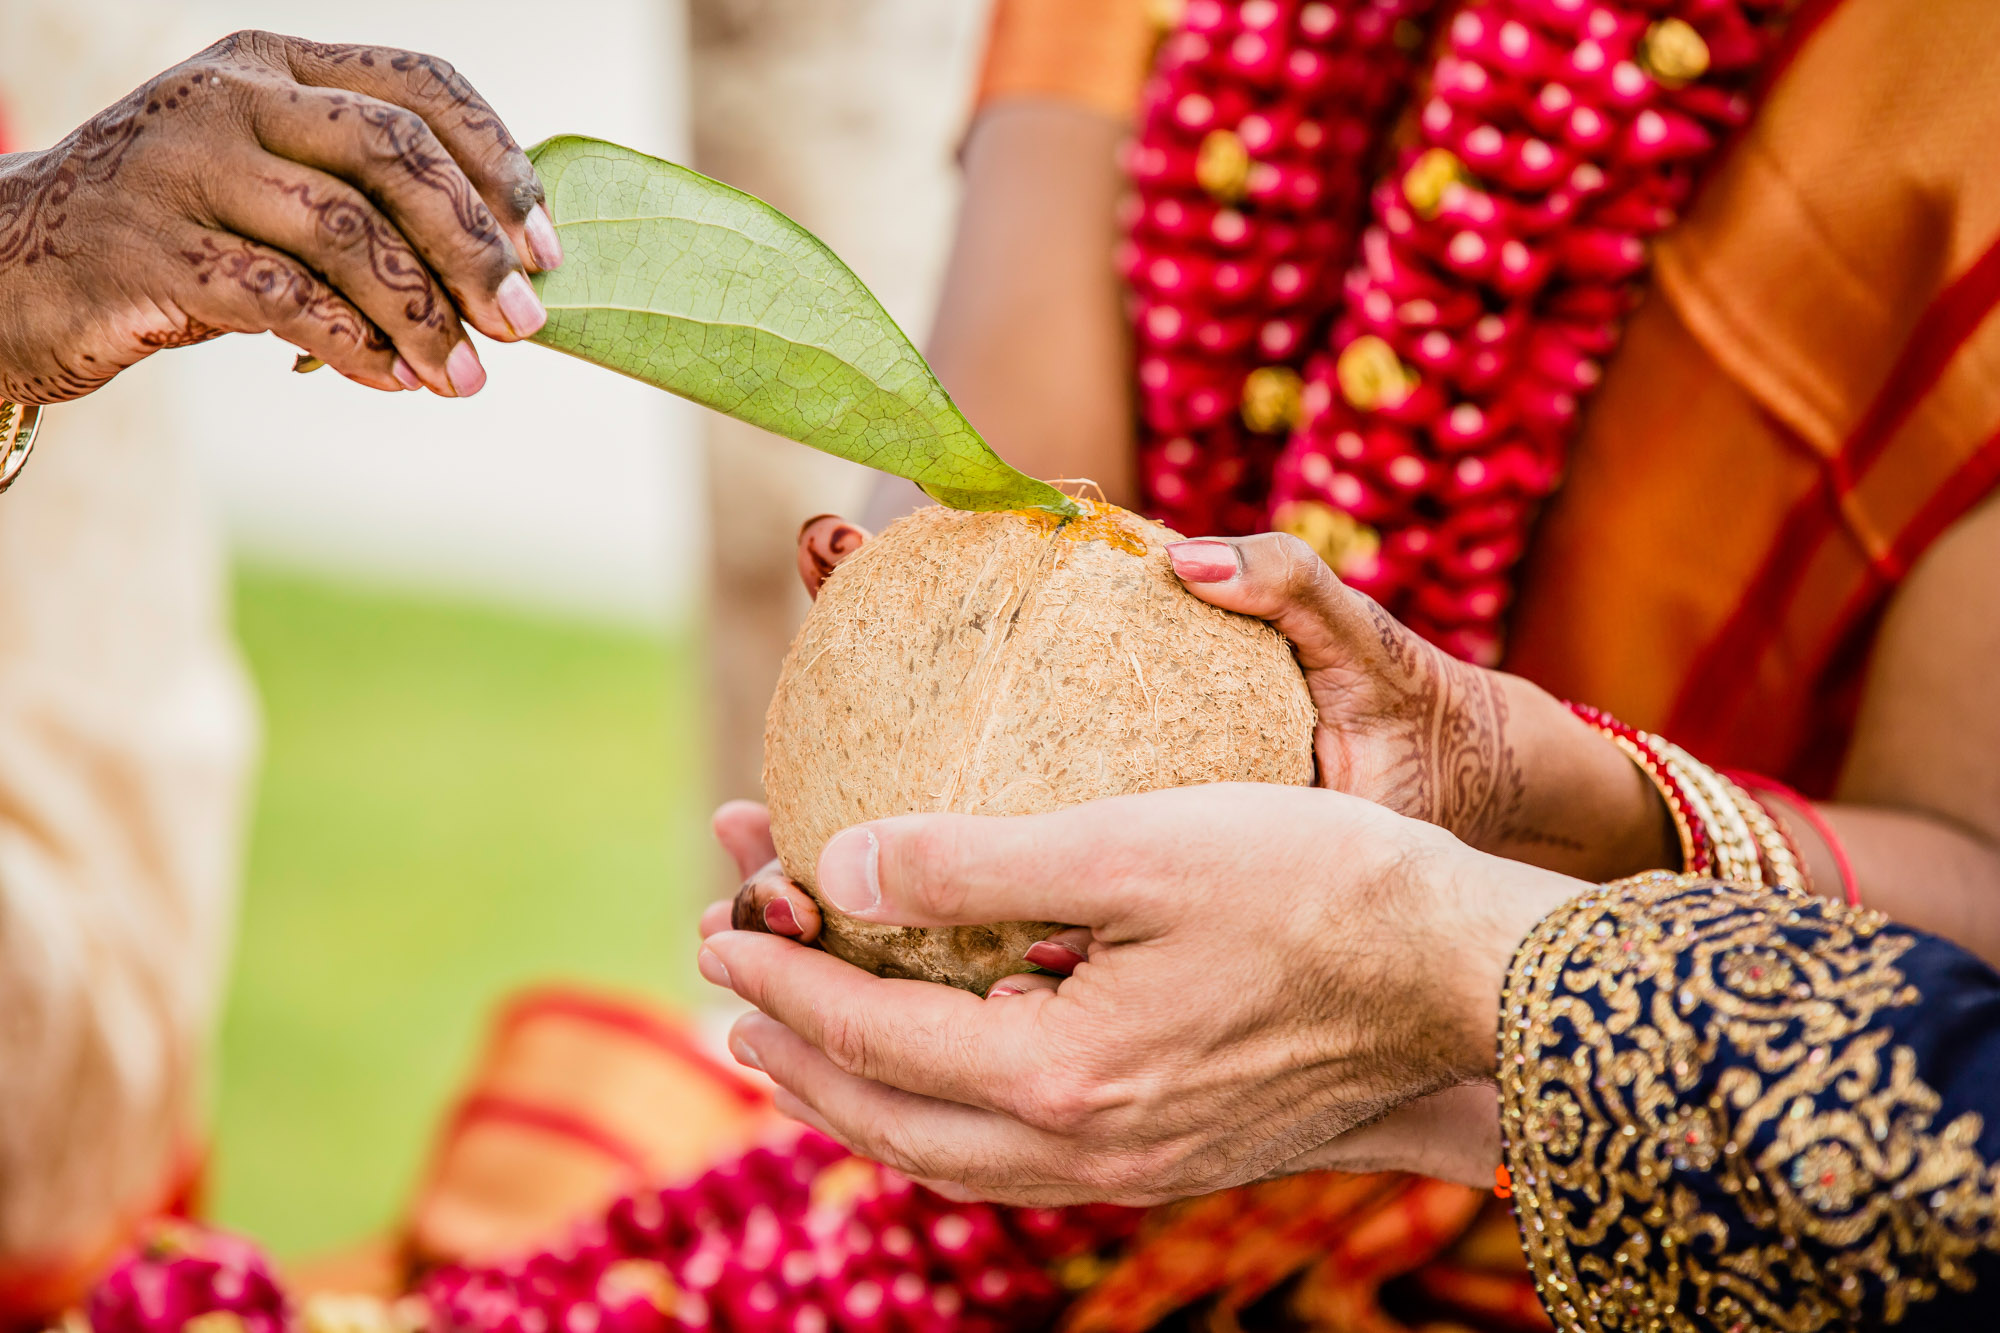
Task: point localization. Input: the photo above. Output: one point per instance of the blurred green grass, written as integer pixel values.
(455, 800)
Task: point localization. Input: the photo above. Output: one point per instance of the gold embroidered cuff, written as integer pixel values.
(1709, 1120)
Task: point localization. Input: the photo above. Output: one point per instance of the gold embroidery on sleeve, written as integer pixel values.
(1819, 1131)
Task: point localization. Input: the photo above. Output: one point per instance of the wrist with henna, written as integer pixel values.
(1583, 808)
(1501, 763)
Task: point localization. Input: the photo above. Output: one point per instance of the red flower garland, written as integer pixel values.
(1497, 264)
(1255, 132)
(795, 1239)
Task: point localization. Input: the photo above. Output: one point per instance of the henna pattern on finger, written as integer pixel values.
(187, 333)
(277, 283)
(416, 150)
(342, 220)
(427, 73)
(428, 77)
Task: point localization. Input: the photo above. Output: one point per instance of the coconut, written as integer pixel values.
(1012, 664)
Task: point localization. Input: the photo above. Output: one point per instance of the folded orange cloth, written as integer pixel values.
(578, 1097)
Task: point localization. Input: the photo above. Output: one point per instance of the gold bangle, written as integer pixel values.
(1668, 796)
(1773, 844)
(1734, 846)
(19, 423)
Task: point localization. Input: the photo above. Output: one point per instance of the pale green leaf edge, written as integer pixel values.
(918, 432)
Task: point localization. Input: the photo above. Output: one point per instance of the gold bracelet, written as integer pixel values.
(1735, 847)
(1781, 859)
(18, 424)
(1722, 832)
(1669, 797)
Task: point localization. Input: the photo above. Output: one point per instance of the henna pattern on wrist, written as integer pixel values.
(35, 217)
(343, 221)
(1455, 765)
(34, 199)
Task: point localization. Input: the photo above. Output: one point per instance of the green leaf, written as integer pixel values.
(709, 293)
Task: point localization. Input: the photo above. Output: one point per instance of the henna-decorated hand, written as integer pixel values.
(357, 201)
(1495, 759)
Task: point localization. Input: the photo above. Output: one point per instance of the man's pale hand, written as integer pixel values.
(357, 201)
(1268, 968)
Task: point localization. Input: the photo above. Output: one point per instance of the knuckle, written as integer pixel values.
(401, 136)
(1066, 1102)
(438, 70)
(932, 886)
(1138, 1172)
(345, 230)
(255, 42)
(1303, 570)
(846, 1041)
(1060, 1110)
(891, 1142)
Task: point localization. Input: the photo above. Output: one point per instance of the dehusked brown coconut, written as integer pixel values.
(1012, 664)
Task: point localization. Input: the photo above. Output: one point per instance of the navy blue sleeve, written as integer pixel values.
(1737, 1110)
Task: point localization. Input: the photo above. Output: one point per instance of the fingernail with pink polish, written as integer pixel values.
(1002, 989)
(543, 243)
(850, 870)
(1053, 957)
(405, 376)
(1204, 561)
(520, 305)
(462, 368)
(711, 968)
(779, 919)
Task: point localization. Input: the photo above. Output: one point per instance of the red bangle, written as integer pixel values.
(1758, 785)
(1700, 856)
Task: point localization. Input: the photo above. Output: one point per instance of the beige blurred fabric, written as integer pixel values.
(844, 114)
(126, 736)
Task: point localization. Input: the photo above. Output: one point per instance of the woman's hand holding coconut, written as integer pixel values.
(1279, 957)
